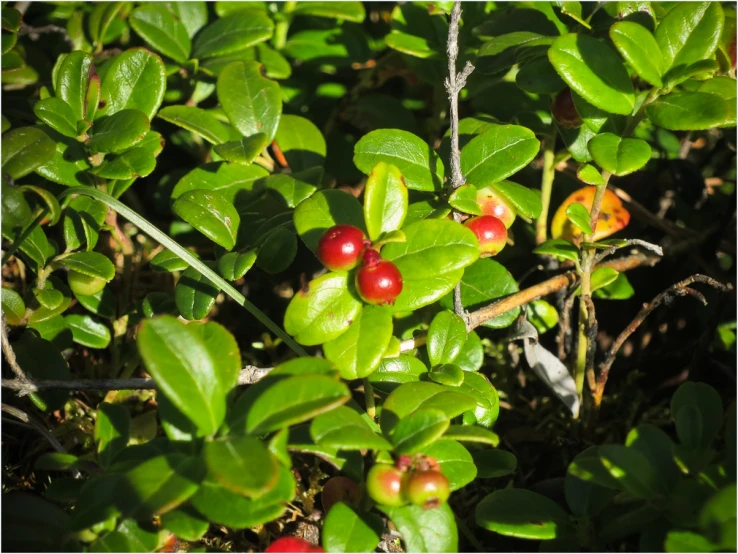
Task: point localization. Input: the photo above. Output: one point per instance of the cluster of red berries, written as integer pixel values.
(292, 544)
(417, 480)
(344, 247)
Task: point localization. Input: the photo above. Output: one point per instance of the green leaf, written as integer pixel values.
(71, 82)
(494, 463)
(139, 161)
(579, 216)
(658, 447)
(430, 261)
(718, 516)
(471, 356)
(252, 102)
(498, 153)
(394, 371)
(324, 209)
(689, 33)
(185, 523)
(42, 313)
(639, 48)
(82, 222)
(346, 11)
(88, 331)
(690, 111)
(101, 18)
(419, 429)
(48, 298)
(234, 265)
(211, 214)
(472, 433)
(184, 370)
(619, 289)
(69, 164)
(487, 408)
(464, 199)
(233, 33)
(11, 19)
(338, 46)
(242, 465)
(25, 149)
(48, 198)
(418, 162)
(112, 431)
(193, 15)
(39, 359)
(276, 403)
(699, 432)
(425, 530)
(484, 281)
(450, 375)
(523, 514)
(145, 78)
(358, 352)
(526, 202)
(344, 429)
(602, 276)
(619, 156)
(194, 294)
(307, 317)
(13, 306)
(539, 77)
(633, 471)
(233, 181)
(56, 461)
(168, 261)
(119, 131)
(385, 200)
(93, 264)
(58, 115)
(687, 541)
(243, 151)
(589, 174)
(156, 25)
(345, 529)
(457, 465)
(300, 141)
(542, 315)
(293, 188)
(446, 338)
(593, 71)
(560, 248)
(198, 121)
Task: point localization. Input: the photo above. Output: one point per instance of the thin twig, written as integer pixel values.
(591, 332)
(630, 242)
(564, 336)
(679, 289)
(34, 32)
(10, 353)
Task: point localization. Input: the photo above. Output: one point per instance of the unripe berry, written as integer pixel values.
(84, 285)
(490, 233)
(378, 281)
(427, 489)
(564, 111)
(292, 544)
(491, 202)
(340, 247)
(384, 485)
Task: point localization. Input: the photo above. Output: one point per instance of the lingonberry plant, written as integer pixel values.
(272, 271)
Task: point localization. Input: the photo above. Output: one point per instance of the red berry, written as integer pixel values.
(292, 544)
(384, 485)
(340, 247)
(492, 203)
(490, 232)
(378, 281)
(427, 489)
(564, 111)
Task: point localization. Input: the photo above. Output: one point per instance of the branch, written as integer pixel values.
(10, 354)
(679, 289)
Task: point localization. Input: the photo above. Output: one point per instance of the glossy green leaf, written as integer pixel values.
(25, 149)
(168, 261)
(347, 11)
(593, 71)
(48, 198)
(579, 216)
(211, 214)
(156, 25)
(242, 465)
(559, 248)
(393, 372)
(344, 429)
(658, 447)
(82, 222)
(385, 200)
(446, 338)
(293, 188)
(233, 33)
(464, 199)
(301, 142)
(619, 289)
(112, 431)
(472, 433)
(101, 19)
(48, 298)
(119, 131)
(184, 370)
(584, 496)
(542, 315)
(602, 276)
(447, 374)
(525, 201)
(639, 48)
(418, 163)
(345, 529)
(185, 523)
(88, 331)
(233, 181)
(539, 77)
(425, 530)
(243, 151)
(689, 33)
(619, 156)
(633, 471)
(457, 464)
(358, 352)
(139, 161)
(471, 356)
(58, 115)
(234, 265)
(589, 174)
(93, 264)
(135, 79)
(69, 164)
(494, 463)
(687, 541)
(410, 397)
(42, 313)
(193, 15)
(523, 514)
(13, 306)
(419, 429)
(498, 54)
(686, 111)
(198, 121)
(487, 408)
(497, 153)
(72, 80)
(697, 432)
(324, 209)
(11, 19)
(194, 294)
(252, 102)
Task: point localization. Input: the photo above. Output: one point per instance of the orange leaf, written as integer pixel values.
(613, 216)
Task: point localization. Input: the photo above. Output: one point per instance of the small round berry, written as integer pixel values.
(490, 233)
(340, 247)
(492, 203)
(564, 111)
(292, 544)
(384, 485)
(427, 489)
(84, 285)
(378, 281)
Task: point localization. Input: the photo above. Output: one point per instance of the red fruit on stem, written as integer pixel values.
(491, 202)
(378, 281)
(564, 111)
(427, 489)
(340, 247)
(384, 485)
(292, 544)
(490, 232)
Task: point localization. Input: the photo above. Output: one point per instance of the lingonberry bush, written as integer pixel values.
(272, 271)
